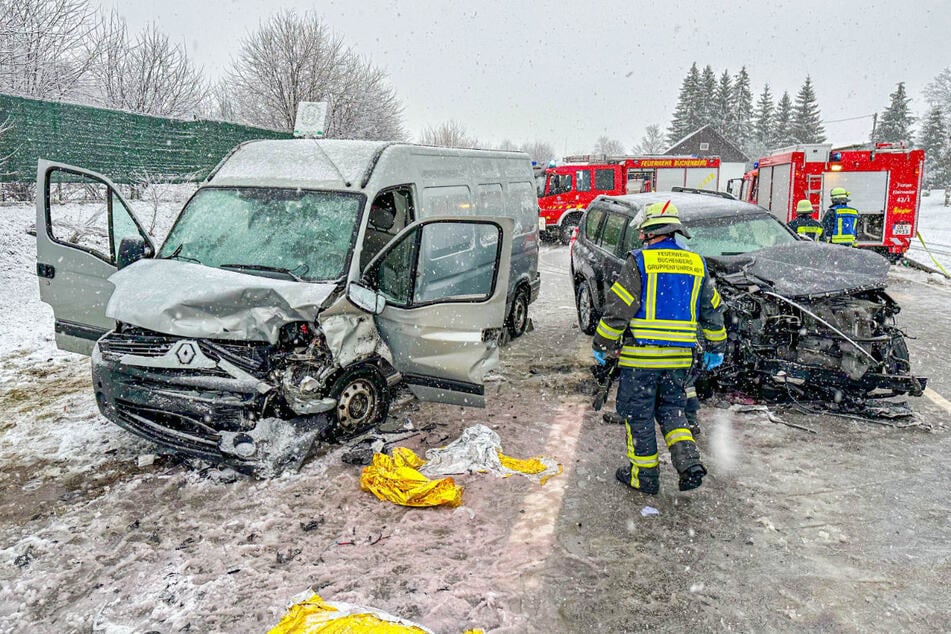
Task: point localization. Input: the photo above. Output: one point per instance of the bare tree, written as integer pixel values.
(608, 147)
(149, 74)
(542, 153)
(291, 59)
(43, 46)
(507, 145)
(653, 141)
(448, 134)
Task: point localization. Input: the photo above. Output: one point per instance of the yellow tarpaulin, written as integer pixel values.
(314, 616)
(397, 480)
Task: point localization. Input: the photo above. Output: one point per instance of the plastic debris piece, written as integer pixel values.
(648, 511)
(310, 614)
(396, 479)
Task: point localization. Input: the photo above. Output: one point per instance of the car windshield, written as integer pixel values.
(295, 234)
(734, 235)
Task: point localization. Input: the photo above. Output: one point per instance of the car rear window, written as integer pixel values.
(592, 223)
(630, 236)
(611, 234)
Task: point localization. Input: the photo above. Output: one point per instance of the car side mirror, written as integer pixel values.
(365, 298)
(132, 249)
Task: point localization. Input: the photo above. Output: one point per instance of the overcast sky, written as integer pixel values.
(568, 72)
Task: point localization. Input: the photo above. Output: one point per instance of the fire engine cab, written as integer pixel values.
(883, 182)
(565, 191)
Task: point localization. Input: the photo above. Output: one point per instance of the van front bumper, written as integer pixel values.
(203, 413)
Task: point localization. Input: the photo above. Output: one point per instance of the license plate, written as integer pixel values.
(901, 230)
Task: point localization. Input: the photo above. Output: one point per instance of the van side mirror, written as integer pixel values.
(365, 298)
(132, 249)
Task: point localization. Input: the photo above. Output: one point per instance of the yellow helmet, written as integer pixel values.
(662, 218)
(804, 207)
(839, 192)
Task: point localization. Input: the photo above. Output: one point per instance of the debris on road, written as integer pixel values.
(404, 477)
(479, 450)
(647, 511)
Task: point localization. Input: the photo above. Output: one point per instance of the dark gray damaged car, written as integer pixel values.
(804, 320)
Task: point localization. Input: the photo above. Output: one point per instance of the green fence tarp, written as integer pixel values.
(119, 145)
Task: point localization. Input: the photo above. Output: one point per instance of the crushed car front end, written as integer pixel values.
(813, 322)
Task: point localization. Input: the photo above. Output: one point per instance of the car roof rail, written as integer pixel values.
(707, 192)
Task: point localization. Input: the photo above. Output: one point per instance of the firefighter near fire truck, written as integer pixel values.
(839, 221)
(804, 224)
(650, 324)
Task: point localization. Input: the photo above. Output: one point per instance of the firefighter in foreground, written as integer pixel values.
(804, 224)
(650, 323)
(840, 222)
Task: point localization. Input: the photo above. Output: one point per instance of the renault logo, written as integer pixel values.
(185, 353)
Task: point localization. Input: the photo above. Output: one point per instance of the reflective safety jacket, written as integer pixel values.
(806, 227)
(654, 309)
(840, 223)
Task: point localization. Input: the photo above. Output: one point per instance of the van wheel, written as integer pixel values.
(517, 321)
(362, 401)
(587, 315)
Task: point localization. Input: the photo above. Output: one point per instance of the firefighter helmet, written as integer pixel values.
(804, 207)
(661, 219)
(839, 193)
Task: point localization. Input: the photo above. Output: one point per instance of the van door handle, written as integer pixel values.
(45, 270)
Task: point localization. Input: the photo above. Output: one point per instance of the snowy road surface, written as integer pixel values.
(847, 529)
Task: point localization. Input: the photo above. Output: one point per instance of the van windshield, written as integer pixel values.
(286, 233)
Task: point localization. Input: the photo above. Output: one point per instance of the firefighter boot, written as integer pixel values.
(646, 481)
(686, 460)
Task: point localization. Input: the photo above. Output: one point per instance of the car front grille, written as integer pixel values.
(249, 356)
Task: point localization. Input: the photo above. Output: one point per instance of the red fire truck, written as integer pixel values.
(883, 182)
(565, 191)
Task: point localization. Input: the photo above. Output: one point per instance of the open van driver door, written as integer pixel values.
(81, 221)
(438, 291)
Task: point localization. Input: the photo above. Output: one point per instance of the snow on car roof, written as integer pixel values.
(691, 206)
(311, 163)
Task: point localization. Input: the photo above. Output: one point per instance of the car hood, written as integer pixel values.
(806, 269)
(192, 300)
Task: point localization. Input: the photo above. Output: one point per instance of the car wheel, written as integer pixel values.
(587, 315)
(567, 227)
(517, 321)
(362, 401)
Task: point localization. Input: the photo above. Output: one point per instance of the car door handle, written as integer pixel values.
(45, 270)
(615, 275)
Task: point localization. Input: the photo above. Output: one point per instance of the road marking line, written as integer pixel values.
(938, 400)
(536, 527)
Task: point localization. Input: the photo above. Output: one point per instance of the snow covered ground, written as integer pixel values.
(93, 539)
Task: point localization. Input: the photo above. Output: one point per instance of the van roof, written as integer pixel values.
(311, 163)
(321, 163)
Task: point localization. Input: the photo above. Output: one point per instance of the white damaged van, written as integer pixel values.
(302, 283)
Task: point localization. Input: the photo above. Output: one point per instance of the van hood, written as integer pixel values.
(807, 269)
(191, 300)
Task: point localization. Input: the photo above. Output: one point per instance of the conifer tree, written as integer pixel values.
(806, 124)
(764, 119)
(686, 117)
(937, 146)
(782, 128)
(720, 111)
(896, 121)
(740, 130)
(705, 99)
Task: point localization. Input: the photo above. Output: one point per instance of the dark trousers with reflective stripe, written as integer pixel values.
(645, 395)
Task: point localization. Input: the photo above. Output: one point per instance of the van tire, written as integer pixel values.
(517, 321)
(363, 400)
(587, 314)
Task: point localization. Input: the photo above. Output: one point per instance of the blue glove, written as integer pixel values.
(599, 357)
(712, 360)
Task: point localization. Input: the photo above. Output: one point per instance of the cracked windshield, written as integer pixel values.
(475, 318)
